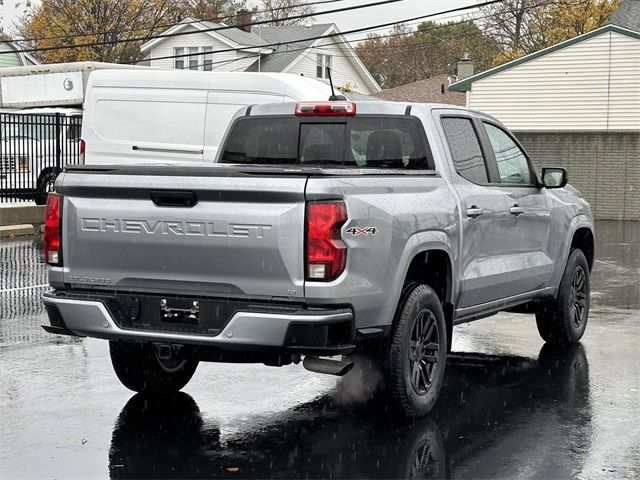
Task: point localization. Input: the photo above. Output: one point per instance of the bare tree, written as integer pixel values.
(406, 55)
(525, 26)
(214, 10)
(280, 11)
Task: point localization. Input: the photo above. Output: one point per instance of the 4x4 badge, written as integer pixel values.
(362, 230)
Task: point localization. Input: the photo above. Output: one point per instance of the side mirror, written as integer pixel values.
(554, 177)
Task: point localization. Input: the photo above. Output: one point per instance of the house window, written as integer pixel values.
(199, 58)
(178, 61)
(323, 65)
(207, 59)
(194, 58)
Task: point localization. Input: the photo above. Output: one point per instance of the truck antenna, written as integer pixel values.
(333, 96)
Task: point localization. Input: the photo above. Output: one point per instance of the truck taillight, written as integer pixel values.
(53, 230)
(325, 109)
(83, 148)
(326, 252)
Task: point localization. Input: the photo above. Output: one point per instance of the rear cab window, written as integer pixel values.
(465, 149)
(366, 141)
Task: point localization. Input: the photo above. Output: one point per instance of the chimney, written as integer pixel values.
(465, 67)
(243, 19)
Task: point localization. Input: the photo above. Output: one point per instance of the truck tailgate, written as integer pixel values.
(194, 232)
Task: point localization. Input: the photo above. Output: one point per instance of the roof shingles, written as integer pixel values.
(284, 55)
(627, 15)
(424, 91)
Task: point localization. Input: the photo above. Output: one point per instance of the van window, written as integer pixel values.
(364, 141)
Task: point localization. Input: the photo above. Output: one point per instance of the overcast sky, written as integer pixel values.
(349, 20)
(365, 17)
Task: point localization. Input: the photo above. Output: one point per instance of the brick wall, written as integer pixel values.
(604, 166)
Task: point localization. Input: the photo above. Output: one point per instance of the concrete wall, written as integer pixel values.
(604, 166)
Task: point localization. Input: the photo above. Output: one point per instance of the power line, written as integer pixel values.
(381, 47)
(213, 29)
(166, 25)
(331, 35)
(420, 45)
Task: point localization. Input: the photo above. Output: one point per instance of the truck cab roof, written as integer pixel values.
(381, 107)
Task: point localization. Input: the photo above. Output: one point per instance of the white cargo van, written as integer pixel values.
(174, 116)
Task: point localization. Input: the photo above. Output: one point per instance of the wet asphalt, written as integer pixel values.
(511, 407)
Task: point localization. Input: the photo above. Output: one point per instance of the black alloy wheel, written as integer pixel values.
(578, 296)
(423, 351)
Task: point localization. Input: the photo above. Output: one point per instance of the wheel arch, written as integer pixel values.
(584, 225)
(429, 259)
(583, 239)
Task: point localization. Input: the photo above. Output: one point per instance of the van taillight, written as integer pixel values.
(326, 252)
(53, 230)
(325, 109)
(83, 148)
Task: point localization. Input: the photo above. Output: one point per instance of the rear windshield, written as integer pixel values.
(365, 141)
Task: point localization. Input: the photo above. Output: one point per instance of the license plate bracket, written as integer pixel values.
(179, 310)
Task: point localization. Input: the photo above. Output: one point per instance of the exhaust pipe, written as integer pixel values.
(325, 365)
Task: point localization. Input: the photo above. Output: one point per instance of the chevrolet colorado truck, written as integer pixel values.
(323, 229)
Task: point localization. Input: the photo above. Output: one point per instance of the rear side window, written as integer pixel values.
(365, 142)
(465, 149)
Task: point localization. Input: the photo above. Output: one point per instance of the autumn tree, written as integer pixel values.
(405, 55)
(278, 12)
(521, 27)
(109, 30)
(97, 30)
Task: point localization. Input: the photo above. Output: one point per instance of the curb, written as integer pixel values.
(21, 214)
(20, 220)
(10, 231)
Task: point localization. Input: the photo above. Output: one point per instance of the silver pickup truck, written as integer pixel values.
(324, 229)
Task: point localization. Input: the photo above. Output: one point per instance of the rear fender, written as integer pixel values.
(418, 243)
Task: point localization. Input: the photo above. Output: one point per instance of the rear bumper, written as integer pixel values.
(305, 331)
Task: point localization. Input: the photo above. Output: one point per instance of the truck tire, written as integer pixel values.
(414, 362)
(45, 184)
(564, 320)
(138, 368)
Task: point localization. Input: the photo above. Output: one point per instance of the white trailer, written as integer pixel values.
(53, 85)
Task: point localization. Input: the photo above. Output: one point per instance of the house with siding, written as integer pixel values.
(309, 50)
(10, 56)
(576, 104)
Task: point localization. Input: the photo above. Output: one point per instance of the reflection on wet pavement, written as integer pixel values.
(486, 409)
(511, 407)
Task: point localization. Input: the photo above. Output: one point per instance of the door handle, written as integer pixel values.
(169, 198)
(516, 210)
(474, 211)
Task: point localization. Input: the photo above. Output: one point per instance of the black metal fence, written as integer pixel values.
(33, 150)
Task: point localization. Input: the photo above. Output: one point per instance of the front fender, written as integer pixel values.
(577, 222)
